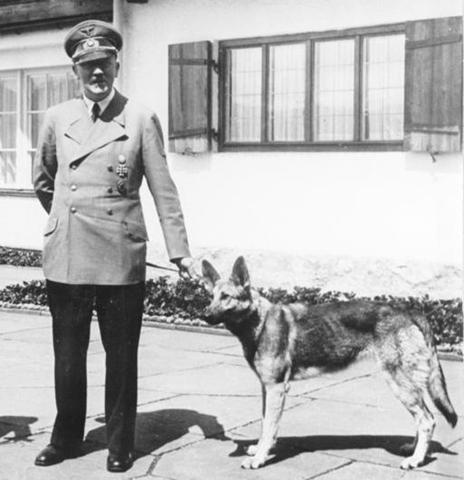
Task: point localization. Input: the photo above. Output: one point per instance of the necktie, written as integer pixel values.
(95, 112)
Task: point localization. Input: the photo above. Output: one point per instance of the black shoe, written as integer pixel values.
(52, 455)
(119, 463)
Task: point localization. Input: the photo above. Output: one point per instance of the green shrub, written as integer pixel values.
(185, 298)
(29, 292)
(20, 257)
(184, 302)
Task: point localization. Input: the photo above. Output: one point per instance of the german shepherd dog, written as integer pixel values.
(285, 342)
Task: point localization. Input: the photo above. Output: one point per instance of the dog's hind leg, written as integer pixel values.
(412, 397)
(274, 404)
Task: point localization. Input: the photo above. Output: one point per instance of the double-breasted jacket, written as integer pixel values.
(87, 175)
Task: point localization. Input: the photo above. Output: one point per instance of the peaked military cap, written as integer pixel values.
(92, 40)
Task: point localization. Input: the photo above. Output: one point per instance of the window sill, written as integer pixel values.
(16, 192)
(314, 147)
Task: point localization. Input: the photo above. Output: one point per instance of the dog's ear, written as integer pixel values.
(210, 275)
(240, 275)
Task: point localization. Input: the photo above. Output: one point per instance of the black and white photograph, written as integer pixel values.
(231, 242)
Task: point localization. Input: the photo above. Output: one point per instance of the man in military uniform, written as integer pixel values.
(92, 156)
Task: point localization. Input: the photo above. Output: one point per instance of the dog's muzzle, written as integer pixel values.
(211, 317)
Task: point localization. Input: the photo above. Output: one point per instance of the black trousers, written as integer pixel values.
(119, 310)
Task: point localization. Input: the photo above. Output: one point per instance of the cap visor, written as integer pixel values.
(95, 55)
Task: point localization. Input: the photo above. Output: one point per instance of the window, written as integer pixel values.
(24, 97)
(383, 88)
(333, 113)
(287, 92)
(314, 90)
(244, 95)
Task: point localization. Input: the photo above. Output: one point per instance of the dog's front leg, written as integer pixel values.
(252, 449)
(273, 402)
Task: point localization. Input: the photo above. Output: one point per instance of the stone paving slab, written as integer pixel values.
(200, 415)
(452, 465)
(213, 459)
(154, 432)
(156, 361)
(357, 471)
(160, 338)
(355, 432)
(17, 463)
(199, 404)
(22, 354)
(15, 322)
(36, 404)
(213, 380)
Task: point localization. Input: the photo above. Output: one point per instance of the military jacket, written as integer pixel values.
(87, 175)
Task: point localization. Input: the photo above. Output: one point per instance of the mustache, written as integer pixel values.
(98, 79)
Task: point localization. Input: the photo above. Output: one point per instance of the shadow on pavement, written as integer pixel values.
(19, 426)
(158, 428)
(288, 447)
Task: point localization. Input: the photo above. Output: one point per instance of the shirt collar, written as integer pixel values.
(102, 103)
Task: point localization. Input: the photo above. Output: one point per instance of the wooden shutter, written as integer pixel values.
(190, 71)
(433, 88)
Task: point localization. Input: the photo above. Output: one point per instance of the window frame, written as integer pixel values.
(310, 38)
(23, 148)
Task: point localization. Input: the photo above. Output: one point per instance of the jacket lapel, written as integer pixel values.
(80, 123)
(108, 128)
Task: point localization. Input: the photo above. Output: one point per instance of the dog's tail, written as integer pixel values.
(439, 393)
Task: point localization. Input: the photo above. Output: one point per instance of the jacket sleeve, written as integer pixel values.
(163, 190)
(45, 164)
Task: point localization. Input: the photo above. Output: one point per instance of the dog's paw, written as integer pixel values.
(251, 450)
(410, 463)
(252, 463)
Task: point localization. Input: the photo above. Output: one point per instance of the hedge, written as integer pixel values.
(20, 257)
(184, 302)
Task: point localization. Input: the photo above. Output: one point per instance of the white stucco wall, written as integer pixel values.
(389, 205)
(393, 205)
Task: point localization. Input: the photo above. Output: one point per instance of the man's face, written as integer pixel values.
(97, 76)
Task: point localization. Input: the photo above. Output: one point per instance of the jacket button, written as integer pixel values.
(109, 211)
(73, 188)
(109, 190)
(73, 209)
(110, 168)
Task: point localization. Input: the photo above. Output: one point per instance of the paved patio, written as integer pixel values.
(199, 405)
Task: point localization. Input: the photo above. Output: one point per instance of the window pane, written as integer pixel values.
(287, 92)
(73, 86)
(57, 89)
(8, 94)
(8, 125)
(7, 168)
(7, 130)
(243, 94)
(383, 92)
(37, 92)
(34, 122)
(334, 90)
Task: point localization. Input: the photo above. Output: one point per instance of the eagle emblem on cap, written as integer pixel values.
(88, 31)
